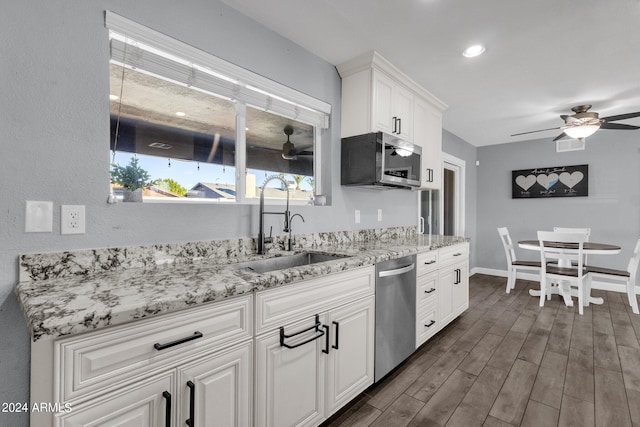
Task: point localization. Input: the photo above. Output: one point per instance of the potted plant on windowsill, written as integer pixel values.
(132, 178)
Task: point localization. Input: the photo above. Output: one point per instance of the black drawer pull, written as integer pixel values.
(191, 422)
(429, 291)
(167, 410)
(195, 336)
(315, 327)
(433, 261)
(430, 324)
(457, 254)
(335, 346)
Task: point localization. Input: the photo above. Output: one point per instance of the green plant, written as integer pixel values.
(297, 179)
(131, 176)
(171, 185)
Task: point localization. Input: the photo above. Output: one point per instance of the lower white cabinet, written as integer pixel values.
(453, 292)
(306, 369)
(193, 367)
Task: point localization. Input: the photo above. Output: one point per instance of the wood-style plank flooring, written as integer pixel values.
(508, 362)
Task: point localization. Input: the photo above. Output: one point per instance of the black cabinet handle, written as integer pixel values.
(430, 175)
(335, 346)
(430, 324)
(458, 276)
(457, 254)
(433, 261)
(315, 327)
(429, 291)
(395, 124)
(399, 126)
(195, 336)
(167, 413)
(191, 422)
(325, 350)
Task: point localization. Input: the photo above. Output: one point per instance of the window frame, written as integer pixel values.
(244, 86)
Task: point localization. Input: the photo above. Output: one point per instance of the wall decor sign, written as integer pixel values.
(556, 181)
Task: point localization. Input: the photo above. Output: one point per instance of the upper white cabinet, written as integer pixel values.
(376, 96)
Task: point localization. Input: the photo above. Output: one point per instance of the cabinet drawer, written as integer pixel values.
(453, 254)
(427, 288)
(103, 359)
(286, 304)
(426, 262)
(426, 322)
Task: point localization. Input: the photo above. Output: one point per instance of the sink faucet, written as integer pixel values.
(290, 243)
(261, 239)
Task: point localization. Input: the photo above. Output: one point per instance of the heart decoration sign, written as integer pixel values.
(555, 181)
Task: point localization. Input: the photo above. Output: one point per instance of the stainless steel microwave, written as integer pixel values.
(381, 160)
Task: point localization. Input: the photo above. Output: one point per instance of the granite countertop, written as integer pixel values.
(71, 304)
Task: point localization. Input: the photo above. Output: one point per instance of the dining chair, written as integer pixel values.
(576, 275)
(627, 276)
(586, 231)
(513, 264)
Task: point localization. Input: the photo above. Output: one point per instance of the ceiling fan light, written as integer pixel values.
(582, 131)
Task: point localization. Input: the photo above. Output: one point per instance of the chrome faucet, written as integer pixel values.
(290, 243)
(261, 239)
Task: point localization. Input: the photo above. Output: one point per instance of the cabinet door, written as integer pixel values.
(428, 134)
(290, 381)
(461, 290)
(404, 101)
(350, 362)
(216, 390)
(147, 404)
(446, 280)
(383, 103)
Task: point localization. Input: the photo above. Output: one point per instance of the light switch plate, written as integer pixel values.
(379, 214)
(38, 217)
(357, 216)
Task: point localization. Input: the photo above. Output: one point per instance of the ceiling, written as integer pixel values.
(542, 57)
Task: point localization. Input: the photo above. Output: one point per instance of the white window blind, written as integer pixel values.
(136, 46)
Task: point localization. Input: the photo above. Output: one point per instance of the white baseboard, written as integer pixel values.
(596, 284)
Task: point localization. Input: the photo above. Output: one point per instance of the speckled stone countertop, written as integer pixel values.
(69, 293)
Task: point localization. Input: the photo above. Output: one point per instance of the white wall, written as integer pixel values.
(54, 116)
(612, 209)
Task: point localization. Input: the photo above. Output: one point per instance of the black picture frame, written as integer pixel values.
(554, 181)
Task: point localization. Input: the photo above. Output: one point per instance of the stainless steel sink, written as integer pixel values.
(286, 261)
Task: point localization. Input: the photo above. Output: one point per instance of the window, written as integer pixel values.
(206, 130)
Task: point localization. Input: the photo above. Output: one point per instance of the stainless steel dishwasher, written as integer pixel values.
(395, 313)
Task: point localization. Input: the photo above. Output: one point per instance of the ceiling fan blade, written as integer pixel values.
(618, 126)
(534, 131)
(621, 117)
(562, 135)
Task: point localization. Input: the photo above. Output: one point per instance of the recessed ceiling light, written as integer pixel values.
(472, 51)
(180, 114)
(114, 97)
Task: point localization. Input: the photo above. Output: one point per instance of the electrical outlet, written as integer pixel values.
(357, 217)
(72, 219)
(379, 214)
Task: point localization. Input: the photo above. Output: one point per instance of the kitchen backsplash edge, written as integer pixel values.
(43, 266)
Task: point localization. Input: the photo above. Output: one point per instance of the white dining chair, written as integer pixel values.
(586, 231)
(575, 275)
(627, 276)
(513, 264)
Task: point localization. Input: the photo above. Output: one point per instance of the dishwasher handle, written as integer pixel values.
(397, 271)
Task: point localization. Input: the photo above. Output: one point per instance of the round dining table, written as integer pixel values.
(588, 248)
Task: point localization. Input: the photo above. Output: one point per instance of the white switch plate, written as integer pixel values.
(357, 216)
(38, 217)
(72, 219)
(379, 214)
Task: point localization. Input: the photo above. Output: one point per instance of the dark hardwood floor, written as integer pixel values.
(508, 362)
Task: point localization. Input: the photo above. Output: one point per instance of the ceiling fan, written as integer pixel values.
(585, 123)
(289, 151)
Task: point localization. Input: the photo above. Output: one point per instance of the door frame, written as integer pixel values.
(458, 166)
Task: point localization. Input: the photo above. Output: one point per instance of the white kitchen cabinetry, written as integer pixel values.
(428, 134)
(453, 280)
(377, 96)
(151, 369)
(320, 355)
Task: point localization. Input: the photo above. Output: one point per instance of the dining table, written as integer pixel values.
(588, 248)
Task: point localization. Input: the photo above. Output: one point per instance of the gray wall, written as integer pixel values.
(54, 113)
(612, 209)
(461, 149)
